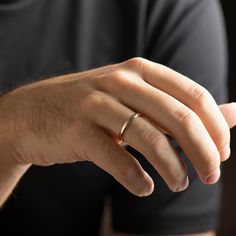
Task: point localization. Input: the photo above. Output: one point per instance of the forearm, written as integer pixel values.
(10, 170)
(10, 173)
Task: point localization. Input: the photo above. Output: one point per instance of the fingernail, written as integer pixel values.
(183, 186)
(225, 153)
(213, 177)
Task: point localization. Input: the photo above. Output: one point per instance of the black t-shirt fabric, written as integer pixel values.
(40, 39)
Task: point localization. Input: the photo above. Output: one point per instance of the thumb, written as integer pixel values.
(229, 112)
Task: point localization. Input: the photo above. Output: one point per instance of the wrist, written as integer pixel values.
(10, 174)
(10, 170)
(12, 167)
(8, 161)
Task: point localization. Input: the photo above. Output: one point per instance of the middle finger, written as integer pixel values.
(173, 116)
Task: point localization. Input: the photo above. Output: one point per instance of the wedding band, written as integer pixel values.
(126, 125)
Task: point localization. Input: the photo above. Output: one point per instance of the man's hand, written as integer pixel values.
(78, 117)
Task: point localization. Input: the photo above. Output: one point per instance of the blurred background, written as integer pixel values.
(228, 213)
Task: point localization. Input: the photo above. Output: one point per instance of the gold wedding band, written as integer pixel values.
(126, 125)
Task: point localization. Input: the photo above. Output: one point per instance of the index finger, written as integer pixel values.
(193, 95)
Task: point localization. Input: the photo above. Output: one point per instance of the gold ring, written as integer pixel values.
(126, 125)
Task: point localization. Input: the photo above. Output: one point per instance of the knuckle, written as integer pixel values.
(210, 164)
(126, 172)
(189, 120)
(202, 99)
(201, 96)
(136, 63)
(222, 138)
(95, 100)
(154, 139)
(114, 81)
(119, 76)
(186, 118)
(100, 80)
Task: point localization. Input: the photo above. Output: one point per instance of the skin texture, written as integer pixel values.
(58, 121)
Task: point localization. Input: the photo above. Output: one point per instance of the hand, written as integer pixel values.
(78, 117)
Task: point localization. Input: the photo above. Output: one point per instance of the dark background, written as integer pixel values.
(228, 214)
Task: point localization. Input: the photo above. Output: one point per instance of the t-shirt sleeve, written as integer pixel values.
(189, 37)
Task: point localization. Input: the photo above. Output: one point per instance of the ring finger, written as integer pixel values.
(142, 135)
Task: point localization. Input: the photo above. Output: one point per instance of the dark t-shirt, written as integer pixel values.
(41, 39)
